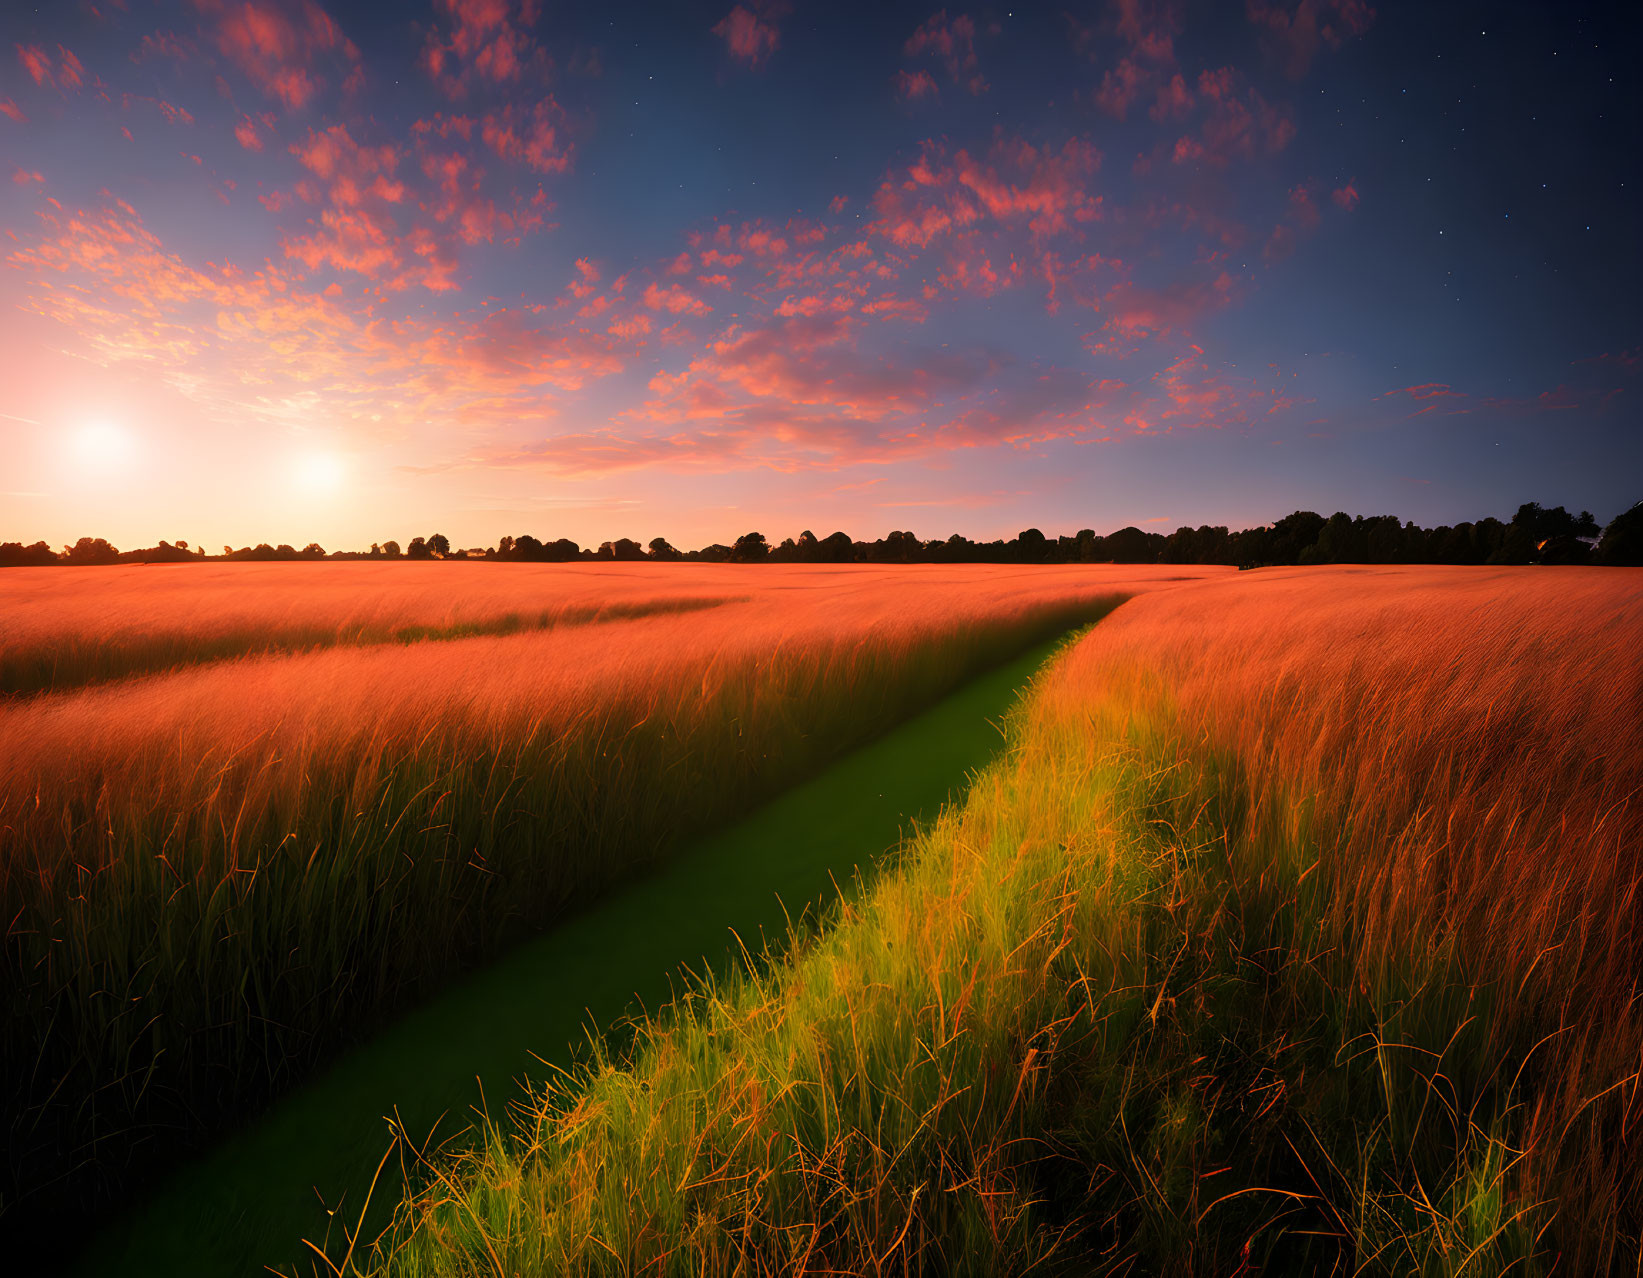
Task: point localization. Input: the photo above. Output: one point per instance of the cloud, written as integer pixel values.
(533, 136)
(1135, 312)
(12, 111)
(952, 42)
(1120, 87)
(1293, 36)
(245, 133)
(1346, 197)
(1432, 397)
(751, 34)
(675, 301)
(1237, 123)
(482, 41)
(67, 74)
(162, 44)
(913, 85)
(1016, 184)
(267, 345)
(279, 46)
(36, 62)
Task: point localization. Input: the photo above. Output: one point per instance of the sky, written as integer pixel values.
(292, 271)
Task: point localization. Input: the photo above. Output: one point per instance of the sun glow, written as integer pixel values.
(101, 446)
(319, 474)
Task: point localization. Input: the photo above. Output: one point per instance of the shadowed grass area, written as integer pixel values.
(1135, 1006)
(232, 872)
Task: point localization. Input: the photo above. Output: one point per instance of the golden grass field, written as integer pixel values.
(246, 811)
(1297, 932)
(1296, 929)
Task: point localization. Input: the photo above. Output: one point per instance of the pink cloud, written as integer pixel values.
(278, 46)
(1238, 123)
(485, 40)
(531, 136)
(953, 43)
(1346, 197)
(1432, 397)
(751, 34)
(674, 300)
(913, 85)
(36, 62)
(12, 111)
(1294, 36)
(162, 44)
(1046, 190)
(245, 132)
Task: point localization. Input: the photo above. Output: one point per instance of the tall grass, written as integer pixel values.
(214, 876)
(65, 629)
(1297, 932)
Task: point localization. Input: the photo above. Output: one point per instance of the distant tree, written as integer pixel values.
(714, 554)
(390, 550)
(751, 548)
(897, 548)
(14, 554)
(1031, 546)
(418, 549)
(661, 549)
(439, 545)
(1132, 546)
(313, 550)
(90, 550)
(1622, 543)
(626, 550)
(836, 548)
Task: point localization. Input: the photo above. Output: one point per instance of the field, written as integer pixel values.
(1296, 929)
(245, 812)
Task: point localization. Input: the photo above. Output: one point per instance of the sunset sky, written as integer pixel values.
(277, 270)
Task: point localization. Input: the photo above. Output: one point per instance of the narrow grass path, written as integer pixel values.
(247, 1204)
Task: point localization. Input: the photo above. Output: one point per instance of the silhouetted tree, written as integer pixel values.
(661, 550)
(751, 548)
(14, 554)
(1622, 543)
(836, 548)
(390, 550)
(439, 545)
(90, 550)
(1132, 546)
(418, 549)
(1031, 546)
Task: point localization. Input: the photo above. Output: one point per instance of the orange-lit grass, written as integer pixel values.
(1297, 933)
(62, 629)
(212, 875)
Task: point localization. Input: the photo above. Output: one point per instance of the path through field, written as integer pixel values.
(243, 1206)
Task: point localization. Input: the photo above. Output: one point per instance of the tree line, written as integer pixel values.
(1534, 535)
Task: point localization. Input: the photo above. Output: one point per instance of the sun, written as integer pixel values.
(319, 473)
(103, 445)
